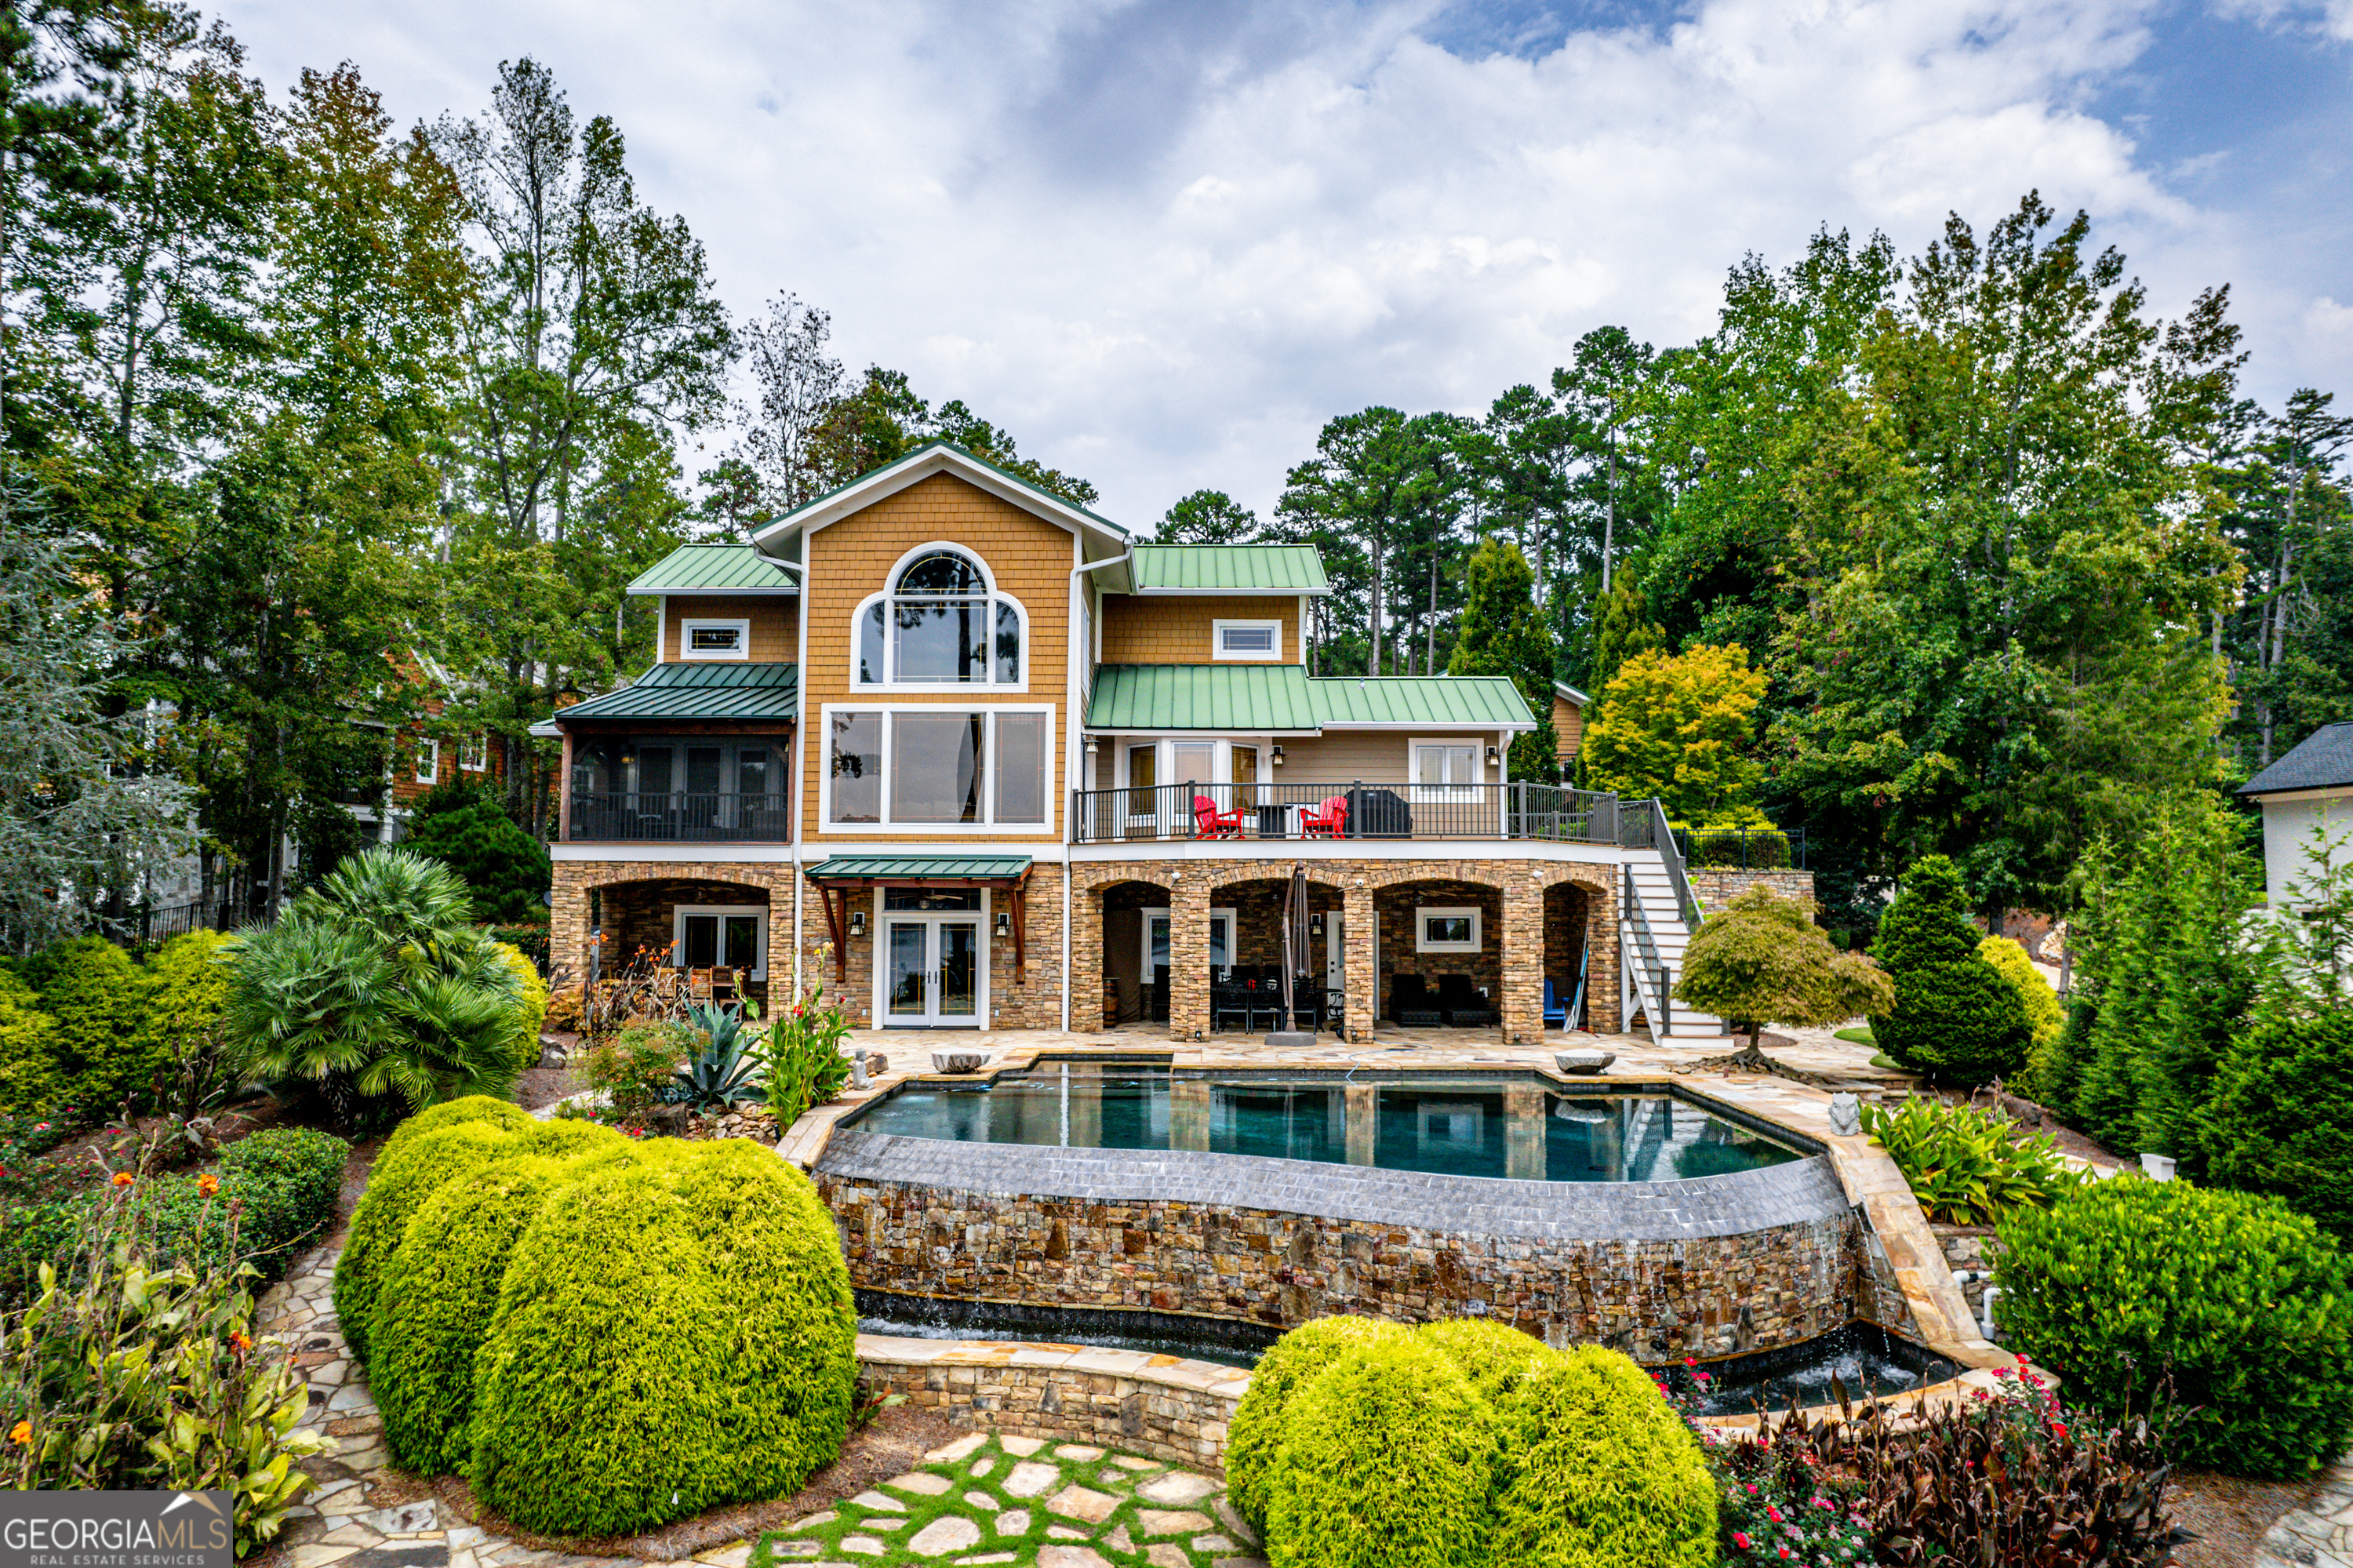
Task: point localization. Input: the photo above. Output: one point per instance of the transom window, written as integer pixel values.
(715, 639)
(943, 622)
(938, 767)
(1249, 638)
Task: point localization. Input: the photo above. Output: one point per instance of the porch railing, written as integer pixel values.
(710, 817)
(1374, 811)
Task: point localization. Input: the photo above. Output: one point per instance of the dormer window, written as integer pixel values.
(715, 639)
(943, 623)
(1249, 638)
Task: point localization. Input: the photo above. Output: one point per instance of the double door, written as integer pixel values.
(932, 972)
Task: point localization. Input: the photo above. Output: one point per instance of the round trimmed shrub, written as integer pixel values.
(1496, 1359)
(1600, 1473)
(674, 1334)
(1388, 1461)
(403, 1179)
(98, 998)
(451, 1113)
(30, 1083)
(1289, 1364)
(188, 986)
(2230, 1306)
(1954, 1016)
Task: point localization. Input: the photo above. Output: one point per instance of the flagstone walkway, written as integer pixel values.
(981, 1499)
(2321, 1533)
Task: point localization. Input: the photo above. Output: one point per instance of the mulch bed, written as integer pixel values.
(2227, 1515)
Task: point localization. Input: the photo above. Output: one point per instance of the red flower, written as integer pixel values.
(1691, 1360)
(2059, 1429)
(1772, 1513)
(1738, 1539)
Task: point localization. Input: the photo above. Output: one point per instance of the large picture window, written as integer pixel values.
(941, 622)
(938, 767)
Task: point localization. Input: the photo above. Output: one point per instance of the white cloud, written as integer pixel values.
(1162, 244)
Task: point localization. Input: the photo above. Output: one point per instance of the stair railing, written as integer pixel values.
(1671, 856)
(1642, 957)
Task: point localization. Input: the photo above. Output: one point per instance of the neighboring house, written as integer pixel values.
(2310, 789)
(970, 756)
(1569, 705)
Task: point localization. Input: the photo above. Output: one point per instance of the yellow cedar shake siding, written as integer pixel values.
(775, 617)
(1568, 727)
(1372, 755)
(1029, 558)
(1158, 628)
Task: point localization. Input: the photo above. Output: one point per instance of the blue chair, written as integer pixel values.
(1555, 1011)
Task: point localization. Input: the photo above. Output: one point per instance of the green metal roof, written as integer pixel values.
(1228, 568)
(716, 690)
(1278, 699)
(1486, 701)
(919, 867)
(714, 568)
(1251, 697)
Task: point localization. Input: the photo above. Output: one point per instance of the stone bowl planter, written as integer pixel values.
(959, 1061)
(1589, 1060)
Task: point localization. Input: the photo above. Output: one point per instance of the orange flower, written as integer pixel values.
(21, 1434)
(122, 1178)
(207, 1184)
(238, 1342)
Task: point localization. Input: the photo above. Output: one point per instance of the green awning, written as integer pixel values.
(1281, 699)
(1228, 568)
(919, 868)
(721, 689)
(714, 568)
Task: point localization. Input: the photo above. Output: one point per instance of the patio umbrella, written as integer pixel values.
(1294, 936)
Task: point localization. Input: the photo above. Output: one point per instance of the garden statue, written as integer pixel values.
(1846, 1116)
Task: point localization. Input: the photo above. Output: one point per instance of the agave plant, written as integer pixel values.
(376, 986)
(722, 1073)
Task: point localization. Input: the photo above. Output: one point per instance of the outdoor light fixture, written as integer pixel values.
(858, 922)
(1277, 754)
(1491, 757)
(1315, 926)
(1004, 924)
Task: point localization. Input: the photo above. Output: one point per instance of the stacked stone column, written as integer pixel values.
(1363, 982)
(1188, 956)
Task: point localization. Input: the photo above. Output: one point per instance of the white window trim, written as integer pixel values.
(740, 625)
(1423, 913)
(891, 682)
(988, 825)
(759, 970)
(428, 762)
(1218, 641)
(984, 1017)
(478, 747)
(1420, 792)
(1220, 785)
(1144, 936)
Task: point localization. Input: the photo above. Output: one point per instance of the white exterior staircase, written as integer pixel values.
(1653, 932)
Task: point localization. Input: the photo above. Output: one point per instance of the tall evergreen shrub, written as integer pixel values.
(98, 998)
(1954, 1016)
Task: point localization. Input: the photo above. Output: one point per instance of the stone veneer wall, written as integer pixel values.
(1483, 969)
(1518, 939)
(1721, 1267)
(1036, 1003)
(1178, 1412)
(1714, 886)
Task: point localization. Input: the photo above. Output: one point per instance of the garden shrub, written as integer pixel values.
(30, 1083)
(677, 1333)
(1387, 1460)
(1495, 1358)
(1289, 1364)
(1954, 1015)
(505, 869)
(634, 1069)
(533, 1011)
(452, 1113)
(403, 1179)
(99, 999)
(802, 1051)
(2044, 1016)
(1601, 1471)
(284, 1184)
(1967, 1166)
(564, 1009)
(187, 986)
(2281, 1120)
(2229, 1307)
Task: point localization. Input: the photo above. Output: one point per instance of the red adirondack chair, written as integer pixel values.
(1209, 823)
(1329, 822)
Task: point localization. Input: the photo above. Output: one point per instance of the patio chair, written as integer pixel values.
(726, 985)
(1463, 1006)
(1336, 1009)
(698, 988)
(1411, 1004)
(1265, 1009)
(1209, 823)
(1328, 821)
(1229, 1001)
(1556, 1007)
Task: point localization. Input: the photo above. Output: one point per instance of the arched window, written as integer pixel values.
(942, 624)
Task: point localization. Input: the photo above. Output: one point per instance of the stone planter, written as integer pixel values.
(959, 1061)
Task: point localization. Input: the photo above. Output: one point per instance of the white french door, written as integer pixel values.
(932, 970)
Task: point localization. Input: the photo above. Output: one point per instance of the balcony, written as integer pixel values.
(1300, 812)
(676, 817)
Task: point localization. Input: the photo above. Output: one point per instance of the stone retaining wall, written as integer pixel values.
(1714, 885)
(1161, 1406)
(1768, 1261)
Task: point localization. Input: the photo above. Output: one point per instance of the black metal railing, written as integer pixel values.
(1743, 849)
(715, 817)
(1357, 810)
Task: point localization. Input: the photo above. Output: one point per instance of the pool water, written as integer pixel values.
(1861, 1359)
(1519, 1126)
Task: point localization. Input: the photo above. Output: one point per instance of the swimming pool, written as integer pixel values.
(1513, 1126)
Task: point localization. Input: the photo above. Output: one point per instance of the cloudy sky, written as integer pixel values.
(1162, 243)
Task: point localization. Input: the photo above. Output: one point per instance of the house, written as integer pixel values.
(1569, 705)
(2310, 789)
(970, 756)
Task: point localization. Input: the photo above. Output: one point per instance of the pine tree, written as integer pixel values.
(1954, 1016)
(1622, 630)
(1503, 635)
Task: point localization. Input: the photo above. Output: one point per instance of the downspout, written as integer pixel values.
(1071, 738)
(800, 740)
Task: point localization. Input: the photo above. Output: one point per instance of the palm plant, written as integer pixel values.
(375, 986)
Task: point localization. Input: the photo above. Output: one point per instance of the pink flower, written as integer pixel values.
(1702, 1376)
(1738, 1539)
(1773, 1513)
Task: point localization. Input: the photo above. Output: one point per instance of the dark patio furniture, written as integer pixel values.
(1463, 1006)
(1230, 1002)
(1411, 1004)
